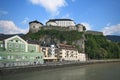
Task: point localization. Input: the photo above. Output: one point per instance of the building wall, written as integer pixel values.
(17, 52)
(8, 59)
(71, 55)
(51, 24)
(82, 57)
(19, 45)
(48, 55)
(65, 23)
(33, 48)
(15, 45)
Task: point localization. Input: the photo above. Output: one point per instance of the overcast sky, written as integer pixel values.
(97, 15)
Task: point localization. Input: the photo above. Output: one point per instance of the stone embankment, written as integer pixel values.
(51, 65)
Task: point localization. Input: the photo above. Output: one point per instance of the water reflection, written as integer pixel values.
(108, 71)
(71, 73)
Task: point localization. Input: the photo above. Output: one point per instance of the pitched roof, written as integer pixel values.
(30, 41)
(60, 20)
(64, 46)
(35, 21)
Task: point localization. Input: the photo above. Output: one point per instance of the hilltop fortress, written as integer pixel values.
(58, 24)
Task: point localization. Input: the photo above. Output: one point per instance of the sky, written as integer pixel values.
(96, 15)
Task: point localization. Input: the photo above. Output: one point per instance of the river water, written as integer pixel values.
(105, 71)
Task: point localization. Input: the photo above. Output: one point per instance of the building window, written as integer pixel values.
(0, 57)
(16, 45)
(22, 46)
(10, 45)
(23, 57)
(10, 57)
(10, 50)
(38, 57)
(41, 57)
(26, 57)
(1, 45)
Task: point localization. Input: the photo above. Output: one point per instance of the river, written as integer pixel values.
(104, 71)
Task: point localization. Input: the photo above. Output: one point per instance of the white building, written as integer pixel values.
(69, 53)
(60, 22)
(50, 53)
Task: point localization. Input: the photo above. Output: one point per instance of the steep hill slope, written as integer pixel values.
(47, 37)
(98, 47)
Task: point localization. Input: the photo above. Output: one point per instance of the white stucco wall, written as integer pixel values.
(51, 24)
(75, 55)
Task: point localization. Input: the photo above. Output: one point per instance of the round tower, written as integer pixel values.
(80, 27)
(35, 26)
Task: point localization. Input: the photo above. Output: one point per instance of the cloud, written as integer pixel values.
(113, 29)
(2, 12)
(87, 25)
(8, 27)
(25, 21)
(108, 24)
(50, 5)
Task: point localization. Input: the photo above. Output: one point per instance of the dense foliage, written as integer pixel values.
(98, 47)
(68, 36)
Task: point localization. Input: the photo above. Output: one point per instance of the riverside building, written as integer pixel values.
(14, 51)
(70, 53)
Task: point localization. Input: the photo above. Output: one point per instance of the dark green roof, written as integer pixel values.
(61, 20)
(35, 21)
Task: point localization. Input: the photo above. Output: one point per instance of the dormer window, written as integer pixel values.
(16, 40)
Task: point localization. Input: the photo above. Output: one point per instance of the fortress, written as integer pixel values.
(57, 24)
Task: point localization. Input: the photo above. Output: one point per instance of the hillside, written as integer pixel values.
(96, 46)
(47, 37)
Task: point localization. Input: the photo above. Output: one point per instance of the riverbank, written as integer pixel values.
(51, 65)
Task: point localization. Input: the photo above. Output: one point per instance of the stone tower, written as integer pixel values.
(80, 27)
(35, 26)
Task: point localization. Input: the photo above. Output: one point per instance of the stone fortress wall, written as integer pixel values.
(35, 26)
(58, 24)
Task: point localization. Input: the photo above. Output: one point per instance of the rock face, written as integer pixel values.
(48, 40)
